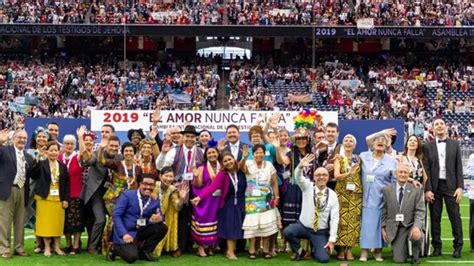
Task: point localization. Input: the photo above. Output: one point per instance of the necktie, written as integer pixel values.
(188, 159)
(21, 173)
(317, 205)
(400, 196)
(442, 140)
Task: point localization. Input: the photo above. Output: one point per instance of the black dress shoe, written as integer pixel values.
(147, 257)
(301, 255)
(457, 253)
(111, 255)
(436, 252)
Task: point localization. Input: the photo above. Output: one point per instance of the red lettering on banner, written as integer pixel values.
(107, 117)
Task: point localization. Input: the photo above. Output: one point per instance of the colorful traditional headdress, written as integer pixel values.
(305, 121)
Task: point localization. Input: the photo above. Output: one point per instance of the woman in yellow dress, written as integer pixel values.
(52, 197)
(171, 202)
(349, 193)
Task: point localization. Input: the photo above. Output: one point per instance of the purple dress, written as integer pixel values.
(204, 218)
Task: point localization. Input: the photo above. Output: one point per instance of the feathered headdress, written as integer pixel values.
(305, 121)
(212, 143)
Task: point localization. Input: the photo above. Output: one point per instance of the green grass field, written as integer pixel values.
(281, 259)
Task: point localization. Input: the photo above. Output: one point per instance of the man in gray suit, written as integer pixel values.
(443, 166)
(403, 216)
(93, 191)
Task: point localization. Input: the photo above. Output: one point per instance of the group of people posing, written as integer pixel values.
(156, 195)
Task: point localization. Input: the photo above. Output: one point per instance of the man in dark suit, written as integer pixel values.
(93, 191)
(138, 221)
(403, 216)
(445, 181)
(233, 143)
(14, 186)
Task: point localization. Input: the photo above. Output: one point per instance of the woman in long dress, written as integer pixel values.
(232, 184)
(171, 202)
(378, 170)
(52, 197)
(262, 218)
(349, 193)
(204, 216)
(37, 148)
(74, 224)
(124, 177)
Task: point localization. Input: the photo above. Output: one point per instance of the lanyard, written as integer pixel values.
(55, 174)
(326, 195)
(140, 203)
(69, 160)
(129, 179)
(235, 183)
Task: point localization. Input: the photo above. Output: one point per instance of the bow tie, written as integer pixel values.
(442, 140)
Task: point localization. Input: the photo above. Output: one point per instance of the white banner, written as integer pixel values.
(217, 121)
(365, 23)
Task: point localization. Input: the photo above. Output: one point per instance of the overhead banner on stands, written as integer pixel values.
(216, 121)
(366, 31)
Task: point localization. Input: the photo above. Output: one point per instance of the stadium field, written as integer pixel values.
(282, 259)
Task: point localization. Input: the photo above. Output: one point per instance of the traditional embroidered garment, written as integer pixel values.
(168, 198)
(350, 203)
(204, 215)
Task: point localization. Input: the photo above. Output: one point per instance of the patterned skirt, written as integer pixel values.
(74, 222)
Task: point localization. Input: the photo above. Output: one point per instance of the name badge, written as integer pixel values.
(256, 193)
(141, 222)
(350, 186)
(54, 192)
(286, 175)
(216, 193)
(188, 176)
(399, 217)
(370, 178)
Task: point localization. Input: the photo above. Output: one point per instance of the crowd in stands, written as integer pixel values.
(70, 87)
(416, 89)
(330, 13)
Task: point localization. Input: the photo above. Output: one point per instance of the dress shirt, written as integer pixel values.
(441, 147)
(331, 211)
(20, 165)
(234, 149)
(168, 159)
(398, 191)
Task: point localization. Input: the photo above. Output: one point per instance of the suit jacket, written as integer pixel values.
(8, 171)
(41, 172)
(413, 209)
(241, 146)
(127, 212)
(454, 175)
(95, 179)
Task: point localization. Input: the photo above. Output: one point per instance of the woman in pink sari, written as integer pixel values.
(204, 216)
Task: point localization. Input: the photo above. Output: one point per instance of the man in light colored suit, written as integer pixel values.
(403, 216)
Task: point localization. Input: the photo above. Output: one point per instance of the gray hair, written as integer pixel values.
(70, 138)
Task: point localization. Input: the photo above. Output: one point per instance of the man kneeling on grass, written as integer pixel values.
(319, 216)
(138, 223)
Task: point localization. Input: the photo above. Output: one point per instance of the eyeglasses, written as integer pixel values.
(318, 175)
(148, 184)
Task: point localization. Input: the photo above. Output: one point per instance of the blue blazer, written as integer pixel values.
(127, 212)
(8, 171)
